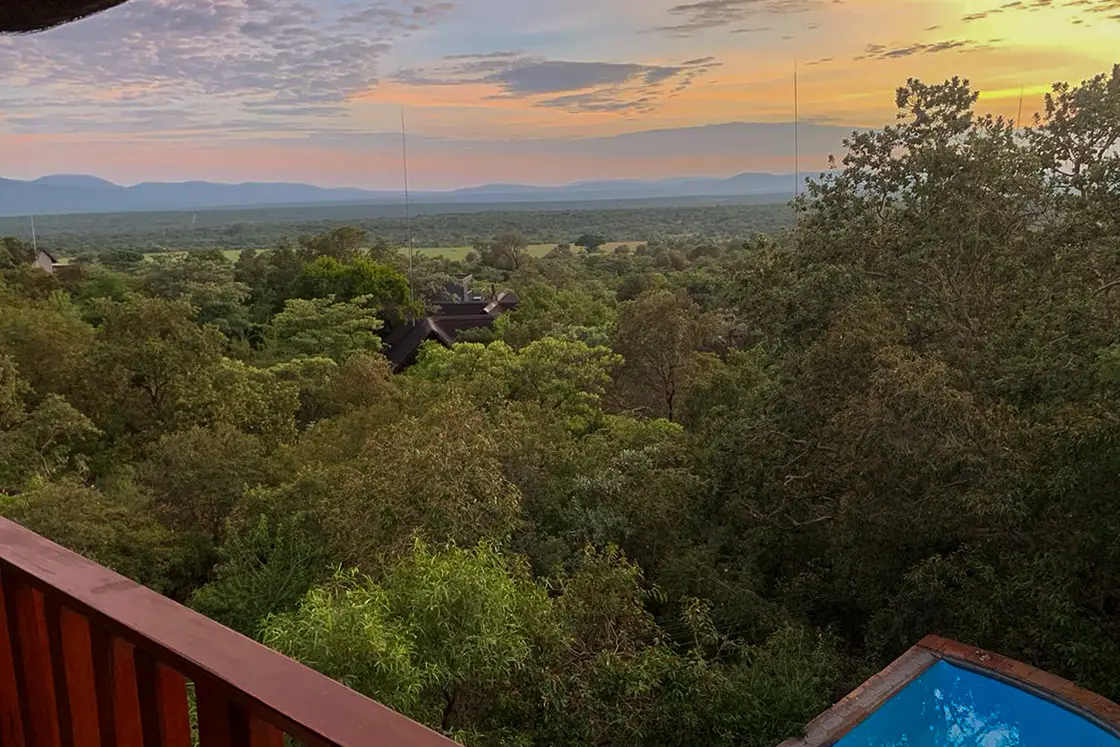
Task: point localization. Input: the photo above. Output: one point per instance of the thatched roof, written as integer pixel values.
(24, 16)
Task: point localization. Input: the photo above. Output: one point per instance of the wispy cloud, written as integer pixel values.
(881, 52)
(267, 57)
(572, 86)
(690, 18)
(1109, 9)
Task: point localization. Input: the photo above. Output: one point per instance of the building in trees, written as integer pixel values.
(404, 342)
(46, 261)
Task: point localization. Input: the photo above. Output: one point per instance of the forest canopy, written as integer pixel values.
(688, 493)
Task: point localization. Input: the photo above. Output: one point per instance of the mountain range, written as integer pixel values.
(76, 193)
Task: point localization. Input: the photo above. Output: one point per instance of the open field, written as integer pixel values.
(70, 235)
(534, 250)
(448, 252)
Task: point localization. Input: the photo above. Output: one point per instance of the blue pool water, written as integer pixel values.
(947, 706)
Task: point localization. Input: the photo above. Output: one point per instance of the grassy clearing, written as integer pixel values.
(534, 250)
(451, 252)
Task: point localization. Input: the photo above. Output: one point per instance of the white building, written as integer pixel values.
(46, 260)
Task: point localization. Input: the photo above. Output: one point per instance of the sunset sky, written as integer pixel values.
(535, 91)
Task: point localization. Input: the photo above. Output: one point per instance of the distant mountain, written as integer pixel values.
(630, 189)
(81, 181)
(77, 193)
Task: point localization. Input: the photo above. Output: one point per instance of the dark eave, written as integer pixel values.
(26, 16)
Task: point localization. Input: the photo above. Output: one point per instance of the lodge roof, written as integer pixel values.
(38, 15)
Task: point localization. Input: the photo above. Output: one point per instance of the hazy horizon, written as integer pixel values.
(387, 189)
(246, 90)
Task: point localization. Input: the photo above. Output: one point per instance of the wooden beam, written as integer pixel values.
(259, 682)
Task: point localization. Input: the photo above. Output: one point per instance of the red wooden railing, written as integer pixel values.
(91, 659)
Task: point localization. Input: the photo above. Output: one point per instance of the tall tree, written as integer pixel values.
(660, 336)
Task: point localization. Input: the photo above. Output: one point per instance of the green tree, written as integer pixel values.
(48, 340)
(345, 475)
(381, 285)
(324, 327)
(566, 378)
(439, 638)
(14, 253)
(197, 476)
(342, 244)
(660, 336)
(114, 531)
(205, 279)
(505, 252)
(591, 242)
(37, 442)
(543, 310)
(149, 363)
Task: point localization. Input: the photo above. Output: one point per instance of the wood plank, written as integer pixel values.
(101, 648)
(126, 702)
(146, 697)
(175, 717)
(53, 615)
(162, 695)
(41, 728)
(263, 734)
(80, 681)
(11, 723)
(220, 723)
(303, 703)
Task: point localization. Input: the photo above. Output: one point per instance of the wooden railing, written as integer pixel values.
(89, 658)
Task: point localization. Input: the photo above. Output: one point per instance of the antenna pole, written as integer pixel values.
(34, 240)
(796, 143)
(1019, 117)
(407, 210)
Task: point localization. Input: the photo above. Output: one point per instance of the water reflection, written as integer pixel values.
(951, 707)
(962, 723)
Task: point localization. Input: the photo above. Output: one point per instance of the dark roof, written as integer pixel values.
(453, 325)
(506, 301)
(398, 334)
(403, 349)
(403, 343)
(23, 16)
(461, 309)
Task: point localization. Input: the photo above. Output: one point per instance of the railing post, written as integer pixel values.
(53, 615)
(89, 658)
(222, 723)
(31, 656)
(126, 700)
(101, 648)
(163, 703)
(80, 685)
(11, 701)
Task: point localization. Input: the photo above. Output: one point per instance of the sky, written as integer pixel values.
(527, 91)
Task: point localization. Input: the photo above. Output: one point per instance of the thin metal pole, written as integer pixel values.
(34, 240)
(1019, 117)
(796, 142)
(407, 210)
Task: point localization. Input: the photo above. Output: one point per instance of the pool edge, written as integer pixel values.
(836, 722)
(853, 708)
(1085, 703)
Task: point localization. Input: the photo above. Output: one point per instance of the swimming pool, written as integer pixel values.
(941, 693)
(949, 706)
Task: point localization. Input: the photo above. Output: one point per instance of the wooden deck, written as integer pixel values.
(90, 658)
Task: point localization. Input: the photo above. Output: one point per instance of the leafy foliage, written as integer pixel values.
(687, 494)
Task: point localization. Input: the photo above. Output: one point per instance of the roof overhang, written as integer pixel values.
(27, 16)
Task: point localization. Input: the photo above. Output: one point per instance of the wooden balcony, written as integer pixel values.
(90, 658)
